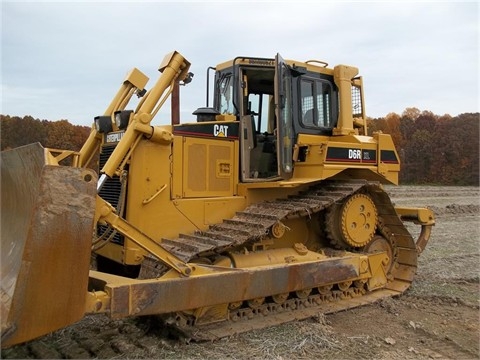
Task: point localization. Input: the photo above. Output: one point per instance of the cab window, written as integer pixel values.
(226, 94)
(261, 107)
(316, 103)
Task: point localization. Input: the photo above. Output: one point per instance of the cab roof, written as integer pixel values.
(316, 66)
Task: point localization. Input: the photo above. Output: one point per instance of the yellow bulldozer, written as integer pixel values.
(266, 207)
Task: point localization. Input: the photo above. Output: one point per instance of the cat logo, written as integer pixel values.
(220, 130)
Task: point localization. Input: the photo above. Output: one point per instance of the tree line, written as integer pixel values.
(434, 149)
(17, 131)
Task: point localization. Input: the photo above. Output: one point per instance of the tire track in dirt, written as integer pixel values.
(436, 342)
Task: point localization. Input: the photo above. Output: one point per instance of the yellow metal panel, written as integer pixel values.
(150, 208)
(216, 210)
(306, 139)
(196, 167)
(389, 169)
(191, 159)
(177, 167)
(112, 251)
(203, 212)
(208, 167)
(317, 166)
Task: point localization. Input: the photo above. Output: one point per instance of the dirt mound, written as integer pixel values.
(456, 209)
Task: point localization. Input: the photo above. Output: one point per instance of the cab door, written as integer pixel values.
(284, 113)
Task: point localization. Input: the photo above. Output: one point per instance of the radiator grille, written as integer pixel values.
(110, 192)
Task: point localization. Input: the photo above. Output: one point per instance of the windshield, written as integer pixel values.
(226, 94)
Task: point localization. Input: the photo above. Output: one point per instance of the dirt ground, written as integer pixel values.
(438, 317)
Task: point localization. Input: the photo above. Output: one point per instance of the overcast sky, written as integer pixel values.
(66, 60)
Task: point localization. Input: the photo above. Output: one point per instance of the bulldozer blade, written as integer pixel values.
(47, 214)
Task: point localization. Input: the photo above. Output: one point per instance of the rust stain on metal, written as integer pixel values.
(164, 296)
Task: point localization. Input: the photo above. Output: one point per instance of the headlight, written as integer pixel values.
(97, 124)
(103, 124)
(122, 118)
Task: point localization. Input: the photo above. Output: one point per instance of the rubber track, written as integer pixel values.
(254, 223)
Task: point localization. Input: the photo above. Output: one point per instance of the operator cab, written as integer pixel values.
(274, 102)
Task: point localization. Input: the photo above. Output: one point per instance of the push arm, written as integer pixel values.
(134, 82)
(105, 213)
(174, 67)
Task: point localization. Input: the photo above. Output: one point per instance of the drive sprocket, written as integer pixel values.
(352, 224)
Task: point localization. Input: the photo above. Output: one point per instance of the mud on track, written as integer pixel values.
(438, 317)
